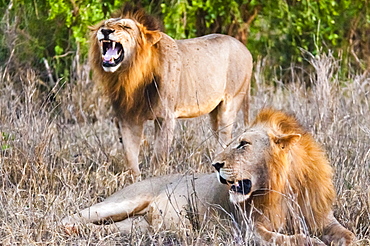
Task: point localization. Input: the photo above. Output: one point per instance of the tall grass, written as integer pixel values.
(60, 153)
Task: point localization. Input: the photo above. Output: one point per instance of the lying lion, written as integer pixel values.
(147, 75)
(275, 173)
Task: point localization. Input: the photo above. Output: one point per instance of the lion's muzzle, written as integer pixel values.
(242, 186)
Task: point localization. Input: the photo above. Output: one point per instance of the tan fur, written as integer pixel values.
(163, 79)
(276, 174)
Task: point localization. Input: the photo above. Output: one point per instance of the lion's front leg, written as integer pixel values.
(282, 239)
(164, 132)
(335, 234)
(131, 133)
(111, 210)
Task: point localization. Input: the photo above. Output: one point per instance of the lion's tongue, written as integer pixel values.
(110, 55)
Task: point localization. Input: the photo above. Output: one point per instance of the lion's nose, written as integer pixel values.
(218, 165)
(106, 32)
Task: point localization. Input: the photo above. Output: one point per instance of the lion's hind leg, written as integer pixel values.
(223, 118)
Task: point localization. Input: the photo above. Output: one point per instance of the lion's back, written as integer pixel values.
(213, 67)
(219, 46)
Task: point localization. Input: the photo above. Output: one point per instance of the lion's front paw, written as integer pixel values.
(71, 229)
(301, 239)
(70, 226)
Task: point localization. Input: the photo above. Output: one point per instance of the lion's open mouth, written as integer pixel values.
(112, 52)
(242, 186)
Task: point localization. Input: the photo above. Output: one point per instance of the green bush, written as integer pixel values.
(51, 29)
(279, 29)
(56, 30)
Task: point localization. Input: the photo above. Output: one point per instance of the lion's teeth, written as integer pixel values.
(113, 45)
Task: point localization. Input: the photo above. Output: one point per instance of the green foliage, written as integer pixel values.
(76, 17)
(182, 12)
(52, 29)
(57, 29)
(191, 18)
(5, 140)
(282, 27)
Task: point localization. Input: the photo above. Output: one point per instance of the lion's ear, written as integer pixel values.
(153, 36)
(286, 141)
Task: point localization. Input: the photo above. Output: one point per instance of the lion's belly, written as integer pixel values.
(195, 109)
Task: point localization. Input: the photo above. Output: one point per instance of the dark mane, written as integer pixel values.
(129, 11)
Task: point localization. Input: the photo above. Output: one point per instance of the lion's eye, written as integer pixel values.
(125, 27)
(242, 144)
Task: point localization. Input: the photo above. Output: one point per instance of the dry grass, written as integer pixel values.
(60, 153)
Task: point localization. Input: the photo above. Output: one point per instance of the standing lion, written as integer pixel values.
(149, 76)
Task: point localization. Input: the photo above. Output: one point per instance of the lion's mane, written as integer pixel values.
(304, 174)
(137, 78)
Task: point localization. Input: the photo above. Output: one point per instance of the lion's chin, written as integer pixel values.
(237, 198)
(111, 69)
